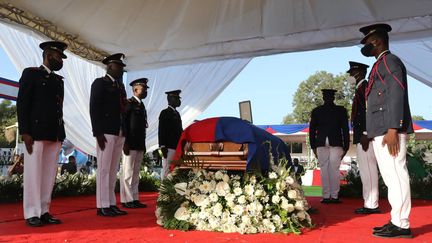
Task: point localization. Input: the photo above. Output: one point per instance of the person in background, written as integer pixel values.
(170, 130)
(297, 169)
(70, 167)
(329, 140)
(134, 146)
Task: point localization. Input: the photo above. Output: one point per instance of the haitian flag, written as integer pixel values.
(232, 129)
(8, 89)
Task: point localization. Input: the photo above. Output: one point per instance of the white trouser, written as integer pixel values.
(129, 177)
(329, 159)
(367, 165)
(395, 175)
(166, 163)
(107, 166)
(40, 170)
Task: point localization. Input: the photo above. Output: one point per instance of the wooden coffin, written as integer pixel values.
(215, 156)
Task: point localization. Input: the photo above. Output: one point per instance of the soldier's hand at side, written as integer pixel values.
(364, 141)
(101, 140)
(392, 141)
(164, 152)
(315, 152)
(28, 141)
(126, 149)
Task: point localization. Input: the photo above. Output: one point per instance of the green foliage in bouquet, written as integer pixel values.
(233, 202)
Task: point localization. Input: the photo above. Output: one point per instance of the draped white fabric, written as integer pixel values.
(201, 83)
(157, 33)
(416, 55)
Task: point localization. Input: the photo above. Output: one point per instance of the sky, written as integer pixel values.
(270, 82)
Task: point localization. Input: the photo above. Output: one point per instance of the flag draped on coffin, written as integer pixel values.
(232, 129)
(8, 89)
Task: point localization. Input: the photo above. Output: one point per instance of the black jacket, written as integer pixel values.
(387, 97)
(135, 124)
(170, 128)
(40, 105)
(329, 121)
(107, 106)
(358, 114)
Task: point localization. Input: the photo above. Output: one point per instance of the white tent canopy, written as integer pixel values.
(201, 45)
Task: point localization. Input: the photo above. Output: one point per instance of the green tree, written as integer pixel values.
(308, 95)
(418, 118)
(289, 119)
(7, 117)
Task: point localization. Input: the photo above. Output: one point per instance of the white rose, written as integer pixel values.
(249, 190)
(230, 204)
(222, 188)
(299, 205)
(158, 212)
(280, 186)
(181, 213)
(289, 180)
(290, 208)
(217, 210)
(275, 199)
(284, 204)
(229, 197)
(292, 194)
(282, 171)
(237, 191)
(203, 214)
(159, 222)
(259, 207)
(301, 215)
(180, 188)
(242, 199)
(225, 178)
(272, 175)
(238, 210)
(213, 197)
(219, 175)
(259, 193)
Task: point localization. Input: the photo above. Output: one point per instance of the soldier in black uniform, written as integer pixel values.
(170, 129)
(329, 140)
(134, 146)
(365, 155)
(388, 121)
(40, 121)
(107, 109)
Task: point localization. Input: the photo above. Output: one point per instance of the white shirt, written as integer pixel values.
(359, 83)
(46, 68)
(112, 79)
(139, 100)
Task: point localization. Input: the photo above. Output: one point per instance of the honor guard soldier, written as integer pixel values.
(329, 140)
(107, 109)
(134, 146)
(170, 130)
(40, 121)
(366, 160)
(388, 121)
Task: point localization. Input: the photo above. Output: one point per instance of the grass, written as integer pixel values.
(313, 191)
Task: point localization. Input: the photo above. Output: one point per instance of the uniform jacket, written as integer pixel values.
(170, 128)
(107, 106)
(358, 114)
(387, 97)
(329, 121)
(40, 104)
(135, 124)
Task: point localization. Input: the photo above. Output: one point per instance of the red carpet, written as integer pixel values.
(334, 223)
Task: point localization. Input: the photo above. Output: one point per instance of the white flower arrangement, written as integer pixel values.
(220, 201)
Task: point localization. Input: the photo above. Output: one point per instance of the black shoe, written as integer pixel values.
(34, 222)
(367, 210)
(379, 228)
(106, 212)
(325, 200)
(129, 205)
(335, 200)
(117, 210)
(139, 204)
(392, 231)
(47, 218)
